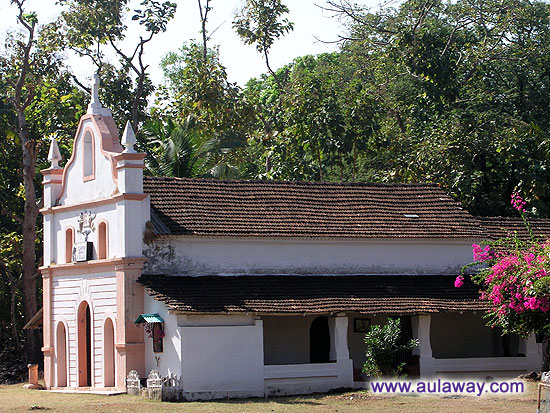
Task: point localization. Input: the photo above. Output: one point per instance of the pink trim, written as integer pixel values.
(84, 267)
(109, 145)
(52, 176)
(89, 204)
(90, 177)
(125, 156)
(130, 165)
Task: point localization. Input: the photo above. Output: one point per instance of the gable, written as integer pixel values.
(90, 173)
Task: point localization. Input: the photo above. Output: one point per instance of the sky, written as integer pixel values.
(312, 28)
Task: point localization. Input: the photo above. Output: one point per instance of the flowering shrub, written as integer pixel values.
(383, 347)
(514, 279)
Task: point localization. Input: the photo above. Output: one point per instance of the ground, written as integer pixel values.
(14, 398)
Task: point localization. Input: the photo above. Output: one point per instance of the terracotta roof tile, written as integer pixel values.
(367, 294)
(306, 209)
(500, 227)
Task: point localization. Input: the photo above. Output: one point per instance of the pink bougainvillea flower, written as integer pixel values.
(459, 282)
(518, 202)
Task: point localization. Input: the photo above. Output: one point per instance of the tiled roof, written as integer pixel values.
(306, 209)
(499, 227)
(312, 294)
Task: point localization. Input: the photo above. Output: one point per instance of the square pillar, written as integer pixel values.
(339, 350)
(421, 331)
(533, 356)
(129, 338)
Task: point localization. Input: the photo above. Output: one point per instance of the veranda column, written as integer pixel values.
(339, 350)
(421, 331)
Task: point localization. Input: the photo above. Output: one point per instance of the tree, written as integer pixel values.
(448, 92)
(172, 150)
(202, 92)
(324, 122)
(32, 58)
(37, 101)
(259, 22)
(514, 280)
(90, 24)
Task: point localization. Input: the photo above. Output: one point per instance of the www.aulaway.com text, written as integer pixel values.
(441, 386)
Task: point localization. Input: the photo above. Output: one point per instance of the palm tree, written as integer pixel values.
(184, 151)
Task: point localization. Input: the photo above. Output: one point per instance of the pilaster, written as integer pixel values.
(47, 332)
(129, 340)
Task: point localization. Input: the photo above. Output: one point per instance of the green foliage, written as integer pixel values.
(259, 22)
(198, 89)
(90, 23)
(183, 151)
(155, 15)
(448, 92)
(201, 89)
(383, 347)
(319, 125)
(119, 91)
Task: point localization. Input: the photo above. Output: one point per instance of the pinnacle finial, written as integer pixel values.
(128, 138)
(95, 107)
(95, 90)
(54, 156)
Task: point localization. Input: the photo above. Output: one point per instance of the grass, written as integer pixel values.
(14, 398)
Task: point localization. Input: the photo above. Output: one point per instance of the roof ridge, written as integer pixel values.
(304, 183)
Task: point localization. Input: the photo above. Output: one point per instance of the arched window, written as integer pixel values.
(102, 241)
(69, 240)
(88, 157)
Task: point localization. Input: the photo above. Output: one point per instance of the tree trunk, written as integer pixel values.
(32, 344)
(135, 102)
(13, 314)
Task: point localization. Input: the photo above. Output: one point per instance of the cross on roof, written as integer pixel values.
(95, 107)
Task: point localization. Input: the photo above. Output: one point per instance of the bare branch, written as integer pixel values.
(11, 215)
(81, 85)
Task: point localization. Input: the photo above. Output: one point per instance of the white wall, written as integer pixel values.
(222, 361)
(63, 220)
(208, 256)
(103, 186)
(121, 241)
(99, 290)
(168, 362)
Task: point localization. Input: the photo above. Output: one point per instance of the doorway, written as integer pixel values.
(84, 346)
(319, 341)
